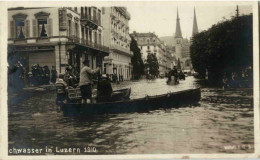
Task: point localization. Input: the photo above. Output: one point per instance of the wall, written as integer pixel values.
(54, 15)
(42, 58)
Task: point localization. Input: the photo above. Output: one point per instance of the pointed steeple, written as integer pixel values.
(178, 27)
(195, 25)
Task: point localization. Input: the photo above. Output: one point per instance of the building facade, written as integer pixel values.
(56, 37)
(149, 43)
(116, 33)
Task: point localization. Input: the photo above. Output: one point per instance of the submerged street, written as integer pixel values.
(222, 122)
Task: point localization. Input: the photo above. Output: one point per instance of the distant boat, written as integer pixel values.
(172, 81)
(168, 100)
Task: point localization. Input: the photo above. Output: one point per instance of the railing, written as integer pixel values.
(73, 38)
(93, 19)
(128, 37)
(88, 43)
(126, 50)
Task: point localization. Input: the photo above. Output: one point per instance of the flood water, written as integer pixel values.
(222, 122)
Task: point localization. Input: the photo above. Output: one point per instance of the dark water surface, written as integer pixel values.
(222, 122)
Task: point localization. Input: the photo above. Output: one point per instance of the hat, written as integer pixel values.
(86, 61)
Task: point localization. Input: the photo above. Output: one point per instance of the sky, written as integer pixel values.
(161, 17)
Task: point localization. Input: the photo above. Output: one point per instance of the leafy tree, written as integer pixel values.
(136, 60)
(152, 64)
(224, 48)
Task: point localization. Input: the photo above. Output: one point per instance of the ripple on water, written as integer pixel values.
(222, 117)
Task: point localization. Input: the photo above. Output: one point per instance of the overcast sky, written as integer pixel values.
(161, 17)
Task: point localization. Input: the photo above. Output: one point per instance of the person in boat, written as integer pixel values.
(104, 89)
(181, 75)
(173, 75)
(69, 77)
(85, 82)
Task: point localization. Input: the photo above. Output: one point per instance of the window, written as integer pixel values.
(89, 12)
(69, 28)
(99, 18)
(76, 30)
(90, 36)
(19, 26)
(82, 33)
(148, 40)
(148, 47)
(100, 42)
(42, 23)
(81, 11)
(20, 29)
(94, 15)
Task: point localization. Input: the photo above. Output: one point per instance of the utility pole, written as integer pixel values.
(237, 11)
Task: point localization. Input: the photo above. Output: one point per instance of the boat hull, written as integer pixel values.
(169, 100)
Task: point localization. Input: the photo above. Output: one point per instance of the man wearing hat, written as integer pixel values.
(85, 81)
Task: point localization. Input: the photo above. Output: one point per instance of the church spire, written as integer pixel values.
(178, 27)
(195, 25)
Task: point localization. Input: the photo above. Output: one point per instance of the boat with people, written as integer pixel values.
(74, 100)
(124, 105)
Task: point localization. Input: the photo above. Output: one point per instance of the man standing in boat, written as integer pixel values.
(86, 82)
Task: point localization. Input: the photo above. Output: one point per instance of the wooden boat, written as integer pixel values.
(168, 100)
(117, 95)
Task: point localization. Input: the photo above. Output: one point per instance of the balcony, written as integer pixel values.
(88, 43)
(128, 38)
(125, 51)
(121, 36)
(113, 15)
(90, 21)
(74, 39)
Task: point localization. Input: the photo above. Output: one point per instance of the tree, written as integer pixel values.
(152, 64)
(178, 64)
(136, 60)
(224, 48)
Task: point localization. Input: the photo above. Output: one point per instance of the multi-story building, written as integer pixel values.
(149, 43)
(170, 58)
(116, 30)
(56, 36)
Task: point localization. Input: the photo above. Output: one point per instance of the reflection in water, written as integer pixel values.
(222, 117)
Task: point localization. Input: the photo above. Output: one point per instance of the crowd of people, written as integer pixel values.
(19, 77)
(41, 75)
(243, 78)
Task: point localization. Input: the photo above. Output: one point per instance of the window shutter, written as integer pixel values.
(27, 28)
(12, 31)
(50, 28)
(35, 28)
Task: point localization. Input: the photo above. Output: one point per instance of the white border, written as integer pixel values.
(3, 86)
